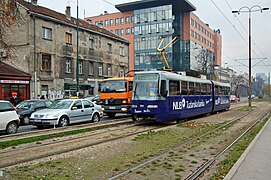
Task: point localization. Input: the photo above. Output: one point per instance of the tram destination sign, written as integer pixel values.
(147, 76)
(13, 82)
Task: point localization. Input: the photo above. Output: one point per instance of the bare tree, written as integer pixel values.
(8, 15)
(204, 62)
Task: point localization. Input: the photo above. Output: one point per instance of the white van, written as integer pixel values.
(9, 119)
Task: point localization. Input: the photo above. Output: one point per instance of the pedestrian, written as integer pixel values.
(238, 97)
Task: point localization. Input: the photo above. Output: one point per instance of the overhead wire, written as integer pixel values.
(245, 30)
(188, 33)
(234, 25)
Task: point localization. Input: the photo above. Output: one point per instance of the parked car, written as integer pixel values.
(9, 119)
(27, 107)
(233, 98)
(67, 111)
(94, 98)
(252, 96)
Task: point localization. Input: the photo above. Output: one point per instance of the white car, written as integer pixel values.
(9, 119)
(67, 111)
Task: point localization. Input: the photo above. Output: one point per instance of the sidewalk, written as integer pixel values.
(255, 163)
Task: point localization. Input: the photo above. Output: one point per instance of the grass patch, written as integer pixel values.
(236, 151)
(36, 139)
(247, 108)
(261, 100)
(143, 146)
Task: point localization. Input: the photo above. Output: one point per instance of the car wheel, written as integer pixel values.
(95, 117)
(111, 115)
(26, 120)
(63, 121)
(12, 128)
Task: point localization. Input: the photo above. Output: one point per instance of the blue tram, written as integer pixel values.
(167, 96)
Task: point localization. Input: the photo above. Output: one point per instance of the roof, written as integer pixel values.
(183, 5)
(8, 70)
(43, 11)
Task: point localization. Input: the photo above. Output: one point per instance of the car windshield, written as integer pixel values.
(113, 86)
(26, 105)
(61, 105)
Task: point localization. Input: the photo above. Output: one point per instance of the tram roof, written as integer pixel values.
(222, 84)
(175, 76)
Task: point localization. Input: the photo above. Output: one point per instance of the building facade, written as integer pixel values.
(122, 24)
(45, 46)
(198, 48)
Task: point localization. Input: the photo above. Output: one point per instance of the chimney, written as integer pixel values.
(68, 12)
(89, 21)
(34, 2)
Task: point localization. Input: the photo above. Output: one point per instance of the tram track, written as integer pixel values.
(201, 145)
(39, 151)
(198, 172)
(64, 129)
(189, 142)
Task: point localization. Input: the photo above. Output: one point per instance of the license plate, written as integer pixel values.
(111, 107)
(37, 120)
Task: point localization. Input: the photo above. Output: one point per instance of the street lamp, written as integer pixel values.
(254, 8)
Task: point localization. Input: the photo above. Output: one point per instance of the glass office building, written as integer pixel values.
(197, 49)
(151, 25)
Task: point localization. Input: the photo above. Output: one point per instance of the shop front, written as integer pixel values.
(71, 90)
(14, 84)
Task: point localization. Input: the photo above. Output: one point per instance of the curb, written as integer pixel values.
(235, 167)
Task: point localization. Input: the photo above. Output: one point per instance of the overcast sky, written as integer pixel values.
(217, 13)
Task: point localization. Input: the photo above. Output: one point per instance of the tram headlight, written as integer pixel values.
(134, 106)
(152, 106)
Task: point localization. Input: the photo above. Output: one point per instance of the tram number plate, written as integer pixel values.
(112, 107)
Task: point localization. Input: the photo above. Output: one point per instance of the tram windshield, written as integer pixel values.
(113, 86)
(146, 87)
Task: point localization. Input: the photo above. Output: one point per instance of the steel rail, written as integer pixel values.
(196, 174)
(64, 129)
(73, 148)
(66, 140)
(190, 141)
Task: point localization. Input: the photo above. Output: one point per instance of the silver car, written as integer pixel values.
(67, 111)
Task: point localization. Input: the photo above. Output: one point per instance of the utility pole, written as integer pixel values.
(269, 85)
(250, 10)
(77, 55)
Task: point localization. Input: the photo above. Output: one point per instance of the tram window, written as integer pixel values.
(184, 87)
(208, 89)
(163, 88)
(174, 88)
(218, 90)
(197, 88)
(203, 89)
(228, 91)
(224, 90)
(191, 88)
